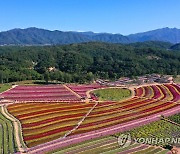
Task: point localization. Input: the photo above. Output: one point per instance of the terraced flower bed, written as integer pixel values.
(44, 122)
(170, 92)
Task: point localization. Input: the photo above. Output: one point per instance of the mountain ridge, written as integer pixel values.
(38, 36)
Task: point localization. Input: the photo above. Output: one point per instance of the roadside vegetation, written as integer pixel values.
(4, 87)
(112, 94)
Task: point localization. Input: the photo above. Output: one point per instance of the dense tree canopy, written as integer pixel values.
(84, 62)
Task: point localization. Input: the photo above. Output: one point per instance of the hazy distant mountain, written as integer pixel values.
(165, 34)
(35, 36)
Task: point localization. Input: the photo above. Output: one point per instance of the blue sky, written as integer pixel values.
(114, 16)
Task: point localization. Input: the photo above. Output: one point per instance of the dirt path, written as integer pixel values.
(81, 121)
(16, 129)
(72, 91)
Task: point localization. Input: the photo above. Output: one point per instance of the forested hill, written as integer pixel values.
(84, 62)
(36, 36)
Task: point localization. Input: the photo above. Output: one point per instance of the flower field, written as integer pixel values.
(45, 122)
(40, 93)
(47, 93)
(168, 92)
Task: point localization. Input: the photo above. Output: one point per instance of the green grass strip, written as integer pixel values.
(9, 135)
(5, 136)
(1, 138)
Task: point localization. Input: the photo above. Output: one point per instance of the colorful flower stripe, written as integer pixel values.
(162, 96)
(170, 98)
(101, 121)
(164, 92)
(177, 89)
(52, 110)
(55, 118)
(157, 93)
(19, 106)
(95, 117)
(96, 112)
(139, 92)
(125, 111)
(67, 122)
(117, 121)
(40, 93)
(45, 139)
(68, 110)
(39, 121)
(42, 107)
(90, 127)
(152, 92)
(174, 92)
(148, 92)
(44, 119)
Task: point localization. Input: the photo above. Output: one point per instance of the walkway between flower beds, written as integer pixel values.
(72, 91)
(80, 122)
(63, 142)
